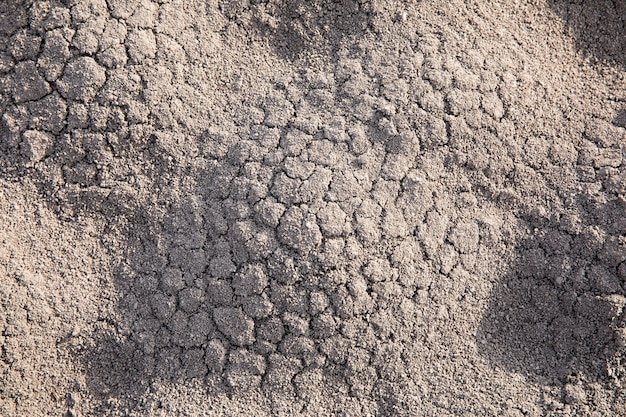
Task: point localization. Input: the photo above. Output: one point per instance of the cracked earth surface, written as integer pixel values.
(289, 207)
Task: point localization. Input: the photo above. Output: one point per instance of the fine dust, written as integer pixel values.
(315, 208)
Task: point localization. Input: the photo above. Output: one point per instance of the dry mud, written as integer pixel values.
(325, 207)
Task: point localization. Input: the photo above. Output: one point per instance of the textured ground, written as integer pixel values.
(324, 207)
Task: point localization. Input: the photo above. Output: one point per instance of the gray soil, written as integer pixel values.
(315, 208)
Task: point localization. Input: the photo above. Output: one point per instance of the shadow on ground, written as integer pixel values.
(598, 27)
(556, 312)
(301, 28)
(620, 119)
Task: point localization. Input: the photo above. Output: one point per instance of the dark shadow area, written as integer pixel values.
(620, 119)
(165, 331)
(302, 28)
(598, 27)
(115, 371)
(557, 311)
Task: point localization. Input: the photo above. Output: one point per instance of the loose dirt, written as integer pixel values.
(325, 207)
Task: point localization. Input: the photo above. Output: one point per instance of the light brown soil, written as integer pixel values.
(324, 207)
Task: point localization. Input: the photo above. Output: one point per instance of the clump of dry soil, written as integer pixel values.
(289, 207)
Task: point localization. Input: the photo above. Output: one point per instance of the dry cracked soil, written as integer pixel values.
(312, 208)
